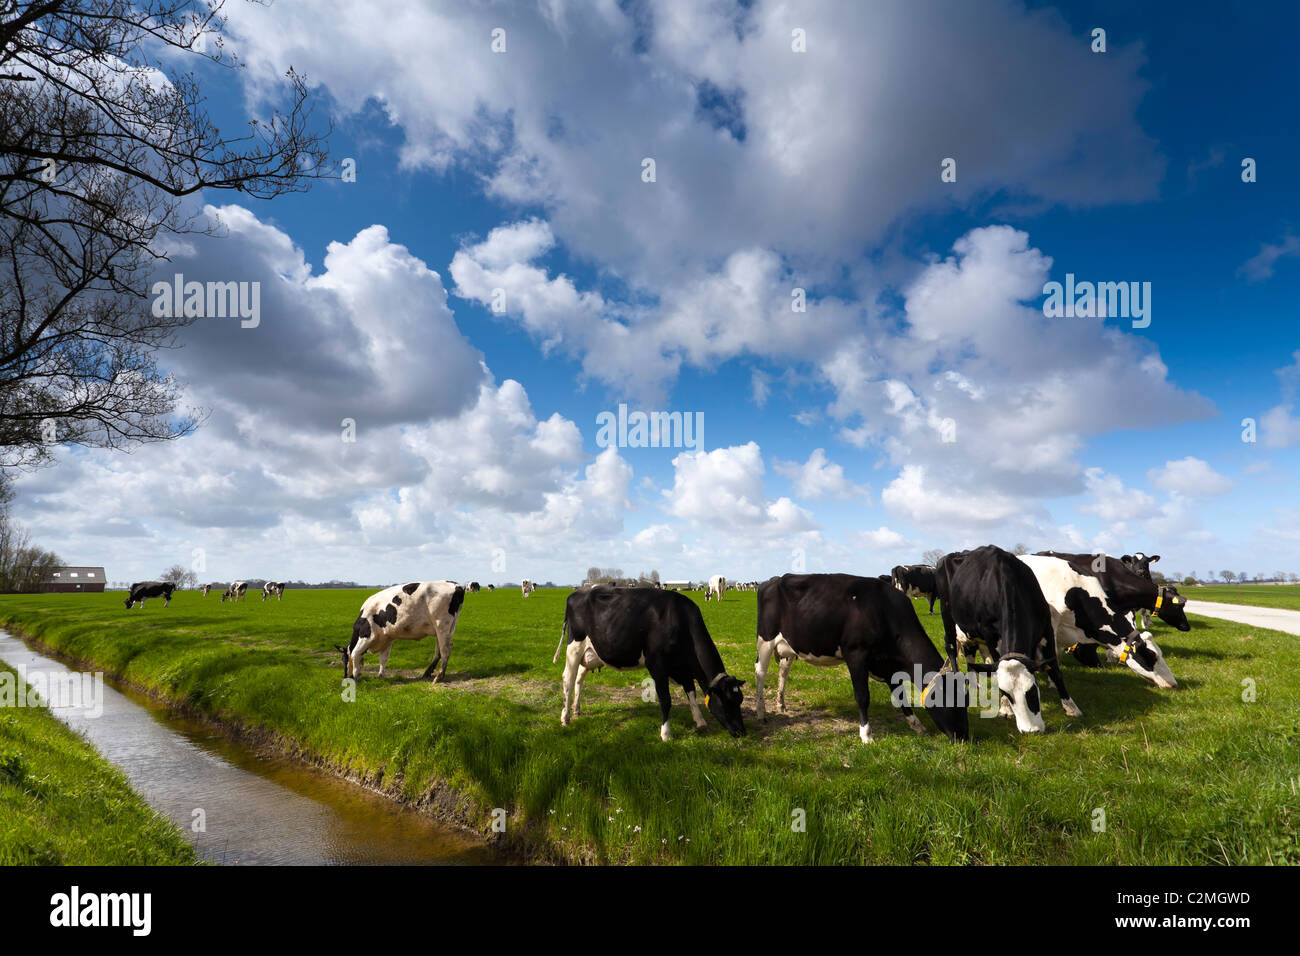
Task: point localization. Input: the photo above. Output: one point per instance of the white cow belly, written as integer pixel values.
(591, 660)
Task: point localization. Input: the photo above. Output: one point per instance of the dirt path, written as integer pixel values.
(1274, 618)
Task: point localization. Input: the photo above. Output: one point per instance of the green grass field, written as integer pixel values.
(1195, 775)
(61, 803)
(1261, 595)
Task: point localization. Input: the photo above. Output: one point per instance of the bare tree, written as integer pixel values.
(180, 576)
(24, 566)
(101, 141)
(932, 556)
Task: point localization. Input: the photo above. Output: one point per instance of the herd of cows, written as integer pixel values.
(1016, 612)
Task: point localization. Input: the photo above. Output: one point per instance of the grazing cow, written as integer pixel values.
(405, 612)
(1129, 589)
(662, 631)
(147, 589)
(273, 589)
(474, 587)
(717, 584)
(864, 623)
(492, 587)
(915, 580)
(236, 591)
(990, 599)
(1083, 611)
(206, 588)
(527, 587)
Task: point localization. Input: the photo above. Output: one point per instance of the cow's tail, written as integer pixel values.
(563, 630)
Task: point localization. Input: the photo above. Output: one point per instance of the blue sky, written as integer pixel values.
(775, 169)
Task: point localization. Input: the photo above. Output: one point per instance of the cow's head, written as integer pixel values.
(896, 576)
(945, 700)
(1143, 656)
(129, 601)
(226, 594)
(347, 660)
(1017, 682)
(1171, 608)
(1140, 563)
(723, 701)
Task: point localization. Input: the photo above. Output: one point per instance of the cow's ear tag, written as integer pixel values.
(706, 700)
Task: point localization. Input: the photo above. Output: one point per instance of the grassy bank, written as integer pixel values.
(1195, 775)
(61, 803)
(1261, 595)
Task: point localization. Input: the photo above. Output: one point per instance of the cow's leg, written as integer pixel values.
(932, 597)
(572, 661)
(383, 658)
(909, 715)
(665, 704)
(358, 653)
(1053, 669)
(761, 663)
(442, 655)
(577, 688)
(860, 674)
(782, 672)
(688, 686)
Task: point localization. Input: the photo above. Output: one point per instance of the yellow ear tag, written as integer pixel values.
(1159, 598)
(706, 700)
(1123, 655)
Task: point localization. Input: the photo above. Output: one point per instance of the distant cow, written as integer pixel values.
(236, 591)
(830, 619)
(527, 587)
(492, 587)
(662, 631)
(273, 589)
(717, 584)
(406, 612)
(206, 588)
(474, 587)
(148, 589)
(990, 599)
(1082, 613)
(915, 580)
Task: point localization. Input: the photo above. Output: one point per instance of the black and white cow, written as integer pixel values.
(527, 587)
(863, 623)
(492, 587)
(149, 589)
(662, 631)
(405, 612)
(990, 599)
(1129, 588)
(273, 589)
(236, 591)
(474, 587)
(206, 588)
(717, 584)
(1083, 611)
(915, 580)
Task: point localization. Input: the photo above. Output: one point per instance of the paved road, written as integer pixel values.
(1274, 618)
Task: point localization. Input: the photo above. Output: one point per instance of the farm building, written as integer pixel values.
(74, 579)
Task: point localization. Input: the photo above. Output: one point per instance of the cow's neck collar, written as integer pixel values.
(714, 683)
